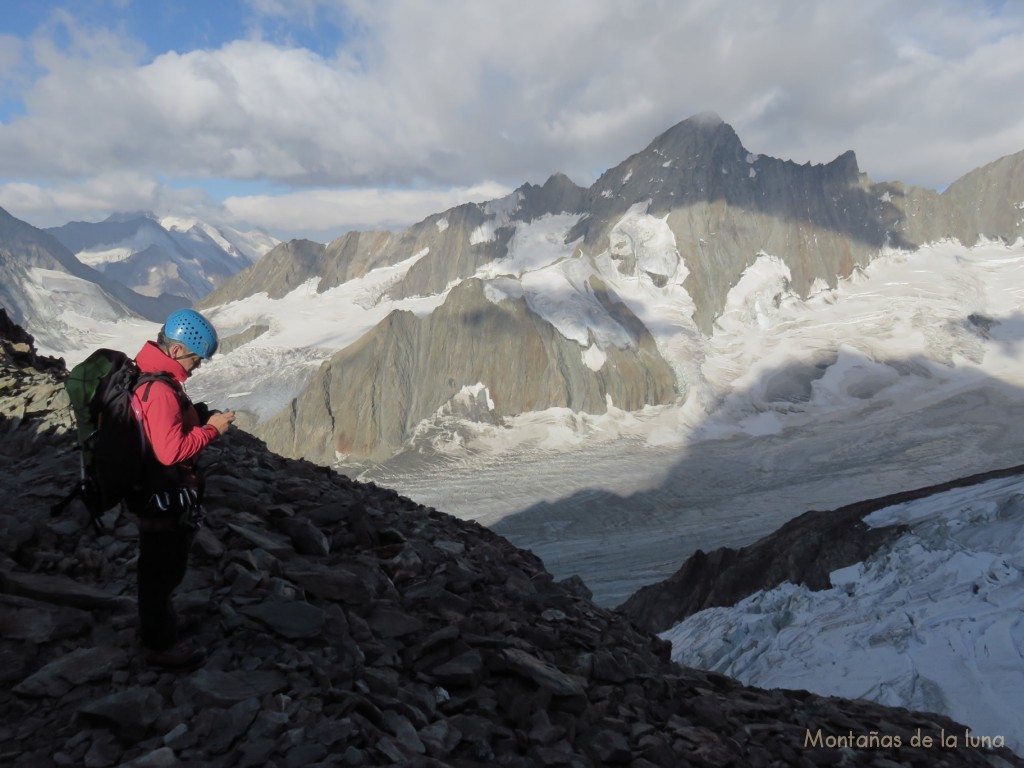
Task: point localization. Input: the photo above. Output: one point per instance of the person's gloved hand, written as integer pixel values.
(204, 412)
(221, 420)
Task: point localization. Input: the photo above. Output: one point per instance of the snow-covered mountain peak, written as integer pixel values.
(247, 246)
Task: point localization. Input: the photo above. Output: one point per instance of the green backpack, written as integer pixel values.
(110, 434)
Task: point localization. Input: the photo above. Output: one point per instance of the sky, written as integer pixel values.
(314, 117)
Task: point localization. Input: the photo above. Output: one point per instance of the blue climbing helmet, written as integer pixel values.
(193, 330)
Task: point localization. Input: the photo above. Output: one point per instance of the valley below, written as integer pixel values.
(625, 514)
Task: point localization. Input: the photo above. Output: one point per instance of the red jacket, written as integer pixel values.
(174, 432)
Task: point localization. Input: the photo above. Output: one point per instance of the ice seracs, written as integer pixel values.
(933, 621)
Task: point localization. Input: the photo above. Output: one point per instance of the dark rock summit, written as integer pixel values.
(346, 625)
(725, 205)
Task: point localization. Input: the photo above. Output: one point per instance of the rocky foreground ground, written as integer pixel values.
(347, 625)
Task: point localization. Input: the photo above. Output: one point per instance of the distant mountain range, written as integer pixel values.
(46, 288)
(564, 297)
(168, 256)
(556, 296)
(76, 282)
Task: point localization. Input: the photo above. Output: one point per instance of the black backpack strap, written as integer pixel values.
(147, 379)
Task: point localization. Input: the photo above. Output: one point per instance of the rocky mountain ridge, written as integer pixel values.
(347, 625)
(724, 205)
(527, 363)
(454, 244)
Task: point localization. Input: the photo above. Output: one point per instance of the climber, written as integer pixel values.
(168, 499)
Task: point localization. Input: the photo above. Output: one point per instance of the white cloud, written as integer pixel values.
(322, 210)
(82, 42)
(446, 94)
(96, 198)
(319, 214)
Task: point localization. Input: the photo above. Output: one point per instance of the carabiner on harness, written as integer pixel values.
(184, 503)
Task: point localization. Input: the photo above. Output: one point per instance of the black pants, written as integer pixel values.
(163, 560)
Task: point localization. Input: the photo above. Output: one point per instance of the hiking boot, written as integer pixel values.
(180, 657)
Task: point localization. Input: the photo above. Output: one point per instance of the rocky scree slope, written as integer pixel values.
(347, 625)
